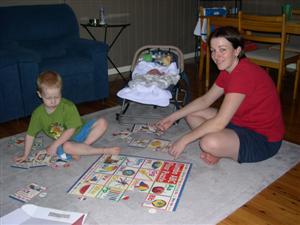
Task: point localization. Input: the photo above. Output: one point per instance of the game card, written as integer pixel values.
(159, 145)
(139, 142)
(147, 128)
(125, 135)
(27, 193)
(38, 159)
(157, 201)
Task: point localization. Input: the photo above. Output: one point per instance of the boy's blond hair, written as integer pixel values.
(49, 79)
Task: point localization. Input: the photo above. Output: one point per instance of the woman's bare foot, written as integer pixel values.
(209, 158)
(112, 150)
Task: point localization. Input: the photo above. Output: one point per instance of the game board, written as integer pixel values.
(111, 177)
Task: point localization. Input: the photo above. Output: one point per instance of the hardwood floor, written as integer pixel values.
(279, 203)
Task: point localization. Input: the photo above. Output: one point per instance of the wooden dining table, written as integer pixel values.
(292, 26)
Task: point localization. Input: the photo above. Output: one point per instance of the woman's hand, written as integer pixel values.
(164, 124)
(177, 148)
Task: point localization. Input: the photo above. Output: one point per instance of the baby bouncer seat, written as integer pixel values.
(158, 85)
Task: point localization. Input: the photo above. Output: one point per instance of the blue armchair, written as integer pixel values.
(11, 105)
(46, 37)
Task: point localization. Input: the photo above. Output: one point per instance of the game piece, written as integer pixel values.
(161, 181)
(27, 193)
(82, 198)
(59, 163)
(43, 194)
(152, 211)
(66, 165)
(125, 197)
(159, 145)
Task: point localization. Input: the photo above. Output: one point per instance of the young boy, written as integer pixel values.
(59, 119)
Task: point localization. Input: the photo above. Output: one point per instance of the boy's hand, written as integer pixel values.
(51, 150)
(19, 159)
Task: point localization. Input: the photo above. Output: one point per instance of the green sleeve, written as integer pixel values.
(72, 117)
(34, 125)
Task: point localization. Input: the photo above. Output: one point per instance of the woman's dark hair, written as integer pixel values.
(232, 35)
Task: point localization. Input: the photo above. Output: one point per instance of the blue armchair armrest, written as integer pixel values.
(17, 54)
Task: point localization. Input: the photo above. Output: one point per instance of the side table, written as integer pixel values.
(121, 27)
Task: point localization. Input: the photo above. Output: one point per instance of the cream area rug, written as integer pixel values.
(210, 194)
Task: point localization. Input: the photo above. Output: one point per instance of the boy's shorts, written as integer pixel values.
(79, 138)
(254, 147)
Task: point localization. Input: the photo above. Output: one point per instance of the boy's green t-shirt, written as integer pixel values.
(53, 125)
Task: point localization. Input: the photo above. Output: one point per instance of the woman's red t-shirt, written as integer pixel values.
(261, 110)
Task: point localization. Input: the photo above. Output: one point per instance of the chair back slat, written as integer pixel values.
(267, 29)
(263, 24)
(264, 39)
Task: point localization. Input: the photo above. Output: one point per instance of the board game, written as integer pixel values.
(111, 177)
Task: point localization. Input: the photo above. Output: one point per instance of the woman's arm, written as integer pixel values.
(198, 104)
(230, 104)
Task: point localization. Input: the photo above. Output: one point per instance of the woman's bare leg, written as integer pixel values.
(215, 145)
(223, 144)
(197, 118)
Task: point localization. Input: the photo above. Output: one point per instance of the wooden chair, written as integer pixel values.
(215, 21)
(204, 15)
(269, 30)
(202, 49)
(296, 12)
(290, 46)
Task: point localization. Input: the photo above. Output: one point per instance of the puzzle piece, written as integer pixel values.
(159, 145)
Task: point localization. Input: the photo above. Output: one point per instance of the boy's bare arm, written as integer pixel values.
(66, 135)
(27, 148)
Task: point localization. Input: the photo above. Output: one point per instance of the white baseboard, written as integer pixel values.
(124, 69)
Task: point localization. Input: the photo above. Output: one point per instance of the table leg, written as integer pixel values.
(109, 59)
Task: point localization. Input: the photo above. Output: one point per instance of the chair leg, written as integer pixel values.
(207, 70)
(279, 79)
(201, 64)
(296, 80)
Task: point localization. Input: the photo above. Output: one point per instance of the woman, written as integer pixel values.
(248, 126)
